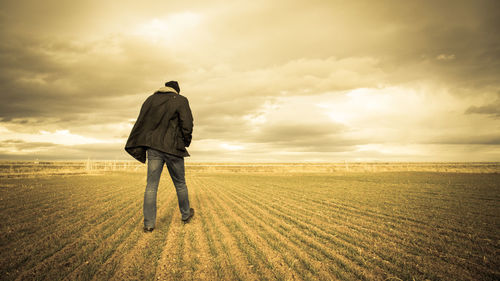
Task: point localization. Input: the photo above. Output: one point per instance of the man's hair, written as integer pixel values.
(174, 85)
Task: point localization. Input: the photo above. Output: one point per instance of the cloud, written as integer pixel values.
(492, 109)
(16, 145)
(54, 79)
(17, 149)
(265, 80)
(445, 57)
(480, 139)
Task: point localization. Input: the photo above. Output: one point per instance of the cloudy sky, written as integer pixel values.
(286, 81)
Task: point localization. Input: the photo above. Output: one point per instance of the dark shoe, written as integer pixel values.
(148, 229)
(191, 214)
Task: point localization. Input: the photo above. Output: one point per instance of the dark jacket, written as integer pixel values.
(165, 123)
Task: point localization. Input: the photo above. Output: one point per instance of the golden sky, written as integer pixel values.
(269, 81)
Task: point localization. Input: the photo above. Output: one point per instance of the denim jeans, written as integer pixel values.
(175, 166)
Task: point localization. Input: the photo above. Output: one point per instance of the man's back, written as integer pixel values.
(165, 123)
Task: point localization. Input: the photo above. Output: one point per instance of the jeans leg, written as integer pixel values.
(155, 167)
(175, 167)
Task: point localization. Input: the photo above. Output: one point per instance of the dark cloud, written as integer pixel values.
(295, 131)
(64, 79)
(492, 109)
(480, 139)
(407, 36)
(86, 68)
(21, 145)
(51, 151)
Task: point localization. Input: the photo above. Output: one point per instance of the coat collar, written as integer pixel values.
(166, 90)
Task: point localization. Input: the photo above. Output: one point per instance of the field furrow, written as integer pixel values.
(287, 251)
(270, 255)
(65, 259)
(277, 216)
(421, 238)
(202, 264)
(254, 226)
(327, 258)
(17, 227)
(211, 268)
(82, 209)
(168, 264)
(384, 250)
(387, 228)
(98, 258)
(140, 262)
(51, 241)
(233, 259)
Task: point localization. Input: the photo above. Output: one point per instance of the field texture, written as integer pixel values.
(254, 226)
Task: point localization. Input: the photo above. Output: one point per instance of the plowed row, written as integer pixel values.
(354, 226)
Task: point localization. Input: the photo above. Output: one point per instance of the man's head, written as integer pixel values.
(174, 85)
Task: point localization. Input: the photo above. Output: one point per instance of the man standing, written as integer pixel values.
(163, 130)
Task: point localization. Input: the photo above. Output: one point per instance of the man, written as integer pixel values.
(163, 130)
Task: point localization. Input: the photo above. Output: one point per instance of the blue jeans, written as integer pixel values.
(175, 166)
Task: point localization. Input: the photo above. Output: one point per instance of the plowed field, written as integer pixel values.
(328, 226)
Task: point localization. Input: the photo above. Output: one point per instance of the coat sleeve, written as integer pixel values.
(133, 142)
(186, 122)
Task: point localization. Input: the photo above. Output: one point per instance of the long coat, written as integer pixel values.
(165, 123)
